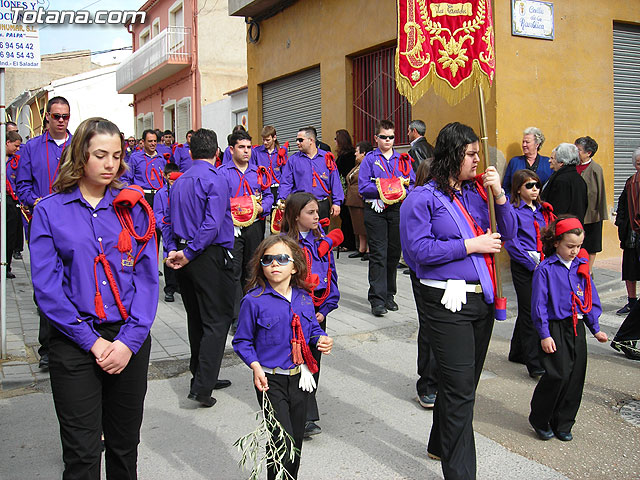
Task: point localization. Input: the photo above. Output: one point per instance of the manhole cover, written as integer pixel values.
(631, 412)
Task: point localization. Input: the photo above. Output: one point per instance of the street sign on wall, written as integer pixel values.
(19, 44)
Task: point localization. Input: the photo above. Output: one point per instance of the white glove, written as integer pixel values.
(377, 205)
(535, 256)
(454, 295)
(307, 382)
(236, 231)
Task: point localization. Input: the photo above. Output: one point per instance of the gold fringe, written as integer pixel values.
(249, 222)
(404, 182)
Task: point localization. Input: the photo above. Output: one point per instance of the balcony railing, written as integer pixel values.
(163, 55)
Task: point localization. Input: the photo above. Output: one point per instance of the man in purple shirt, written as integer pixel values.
(146, 167)
(182, 154)
(243, 179)
(198, 233)
(309, 170)
(37, 170)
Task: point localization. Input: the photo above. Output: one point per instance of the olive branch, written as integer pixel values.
(278, 445)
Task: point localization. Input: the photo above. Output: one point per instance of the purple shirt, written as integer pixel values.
(269, 161)
(160, 207)
(165, 151)
(264, 326)
(13, 162)
(431, 240)
(38, 169)
(182, 157)
(525, 239)
(146, 171)
(320, 266)
(234, 177)
(65, 239)
(297, 176)
(373, 166)
(199, 211)
(551, 295)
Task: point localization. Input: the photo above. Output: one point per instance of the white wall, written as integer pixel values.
(220, 116)
(94, 94)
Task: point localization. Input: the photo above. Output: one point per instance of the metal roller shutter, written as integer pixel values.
(626, 95)
(292, 103)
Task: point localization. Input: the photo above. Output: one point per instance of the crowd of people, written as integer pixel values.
(256, 221)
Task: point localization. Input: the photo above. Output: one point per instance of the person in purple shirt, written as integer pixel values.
(245, 183)
(275, 328)
(271, 156)
(146, 166)
(381, 219)
(198, 233)
(100, 296)
(182, 154)
(14, 225)
(301, 223)
(525, 251)
(160, 207)
(441, 227)
(38, 169)
(313, 171)
(564, 300)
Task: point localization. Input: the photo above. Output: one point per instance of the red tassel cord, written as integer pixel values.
(404, 164)
(264, 178)
(122, 205)
(317, 301)
(102, 259)
(300, 351)
(576, 302)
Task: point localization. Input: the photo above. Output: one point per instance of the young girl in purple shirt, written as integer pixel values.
(564, 299)
(276, 325)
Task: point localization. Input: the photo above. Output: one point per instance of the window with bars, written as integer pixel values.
(376, 98)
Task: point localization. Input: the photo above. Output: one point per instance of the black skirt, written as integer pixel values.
(593, 237)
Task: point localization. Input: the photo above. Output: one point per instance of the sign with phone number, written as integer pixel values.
(19, 46)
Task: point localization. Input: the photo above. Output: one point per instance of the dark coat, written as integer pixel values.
(566, 191)
(420, 151)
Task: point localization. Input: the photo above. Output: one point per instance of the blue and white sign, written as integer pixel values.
(531, 18)
(19, 43)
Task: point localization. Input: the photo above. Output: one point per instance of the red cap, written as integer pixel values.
(566, 224)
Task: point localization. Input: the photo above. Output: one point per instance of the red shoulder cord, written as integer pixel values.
(317, 301)
(55, 173)
(300, 351)
(547, 213)
(112, 283)
(282, 155)
(404, 164)
(154, 174)
(576, 303)
(13, 162)
(243, 185)
(264, 178)
(331, 166)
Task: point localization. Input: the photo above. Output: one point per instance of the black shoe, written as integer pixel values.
(168, 297)
(44, 362)
(365, 258)
(427, 401)
(311, 428)
(378, 310)
(356, 255)
(563, 436)
(406, 271)
(204, 400)
(10, 275)
(391, 305)
(542, 434)
(402, 265)
(220, 384)
(537, 373)
(624, 310)
(17, 255)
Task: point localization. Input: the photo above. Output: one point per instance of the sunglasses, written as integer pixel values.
(300, 140)
(60, 116)
(385, 137)
(282, 259)
(530, 185)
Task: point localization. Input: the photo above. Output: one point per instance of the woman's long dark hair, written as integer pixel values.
(520, 178)
(450, 149)
(292, 208)
(345, 144)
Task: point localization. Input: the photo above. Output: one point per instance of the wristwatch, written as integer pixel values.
(502, 194)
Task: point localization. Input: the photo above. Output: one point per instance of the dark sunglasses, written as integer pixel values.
(282, 259)
(385, 137)
(530, 185)
(300, 140)
(60, 116)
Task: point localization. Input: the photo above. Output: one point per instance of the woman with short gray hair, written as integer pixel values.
(565, 190)
(532, 140)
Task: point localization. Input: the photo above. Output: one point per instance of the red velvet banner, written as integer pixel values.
(448, 44)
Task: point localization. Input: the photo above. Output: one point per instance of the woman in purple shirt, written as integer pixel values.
(98, 287)
(442, 230)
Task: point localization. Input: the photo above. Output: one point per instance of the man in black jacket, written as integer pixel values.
(421, 150)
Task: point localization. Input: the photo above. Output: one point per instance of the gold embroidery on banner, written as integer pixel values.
(415, 38)
(457, 9)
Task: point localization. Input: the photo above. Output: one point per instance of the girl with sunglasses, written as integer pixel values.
(301, 223)
(526, 253)
(276, 326)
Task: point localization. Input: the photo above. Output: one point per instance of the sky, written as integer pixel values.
(65, 38)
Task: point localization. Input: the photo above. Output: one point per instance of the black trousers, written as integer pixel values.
(313, 415)
(427, 384)
(383, 235)
(170, 278)
(290, 405)
(324, 208)
(205, 283)
(525, 342)
(243, 249)
(13, 224)
(89, 401)
(460, 342)
(630, 328)
(556, 399)
(347, 229)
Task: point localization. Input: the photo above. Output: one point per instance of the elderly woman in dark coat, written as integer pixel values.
(532, 140)
(565, 190)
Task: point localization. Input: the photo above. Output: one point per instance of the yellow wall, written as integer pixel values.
(564, 86)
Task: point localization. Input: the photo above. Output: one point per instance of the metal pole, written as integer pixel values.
(3, 219)
(492, 208)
